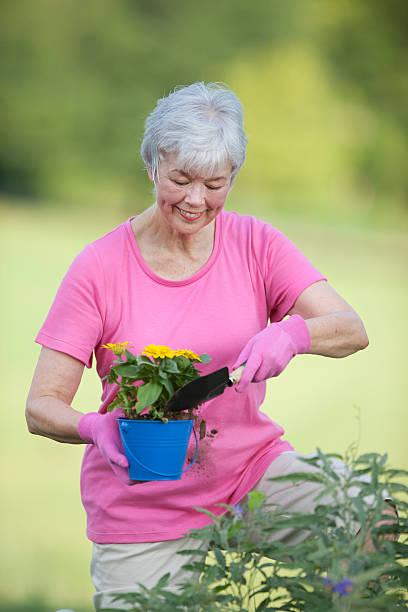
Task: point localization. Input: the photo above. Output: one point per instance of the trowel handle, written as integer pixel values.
(235, 376)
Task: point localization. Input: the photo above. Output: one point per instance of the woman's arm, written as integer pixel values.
(335, 328)
(48, 409)
(49, 413)
(321, 322)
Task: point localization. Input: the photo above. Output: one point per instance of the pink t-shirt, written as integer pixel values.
(109, 294)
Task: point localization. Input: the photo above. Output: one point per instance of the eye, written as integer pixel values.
(213, 188)
(179, 182)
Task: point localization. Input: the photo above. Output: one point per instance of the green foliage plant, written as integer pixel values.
(329, 571)
(160, 370)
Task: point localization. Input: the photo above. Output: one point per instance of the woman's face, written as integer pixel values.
(189, 202)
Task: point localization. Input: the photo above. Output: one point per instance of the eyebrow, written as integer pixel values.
(218, 178)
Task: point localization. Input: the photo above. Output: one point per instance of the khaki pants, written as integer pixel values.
(117, 568)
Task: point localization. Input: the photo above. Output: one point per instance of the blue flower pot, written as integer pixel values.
(156, 450)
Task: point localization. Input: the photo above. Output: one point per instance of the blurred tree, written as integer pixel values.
(366, 46)
(78, 80)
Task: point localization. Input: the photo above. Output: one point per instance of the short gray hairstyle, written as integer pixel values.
(202, 124)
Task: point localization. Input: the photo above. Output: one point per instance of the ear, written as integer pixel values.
(149, 173)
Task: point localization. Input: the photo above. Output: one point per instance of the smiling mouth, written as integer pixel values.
(191, 216)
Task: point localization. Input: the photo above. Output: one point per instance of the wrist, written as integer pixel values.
(296, 327)
(86, 425)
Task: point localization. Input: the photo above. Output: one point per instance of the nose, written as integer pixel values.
(195, 194)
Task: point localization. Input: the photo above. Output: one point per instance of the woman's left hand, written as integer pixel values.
(268, 353)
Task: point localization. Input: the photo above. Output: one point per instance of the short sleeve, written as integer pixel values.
(287, 273)
(74, 323)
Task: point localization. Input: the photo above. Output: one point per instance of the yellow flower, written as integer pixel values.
(188, 354)
(158, 351)
(118, 347)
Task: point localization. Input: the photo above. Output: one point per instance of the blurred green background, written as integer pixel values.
(325, 91)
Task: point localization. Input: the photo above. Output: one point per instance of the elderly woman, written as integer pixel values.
(185, 273)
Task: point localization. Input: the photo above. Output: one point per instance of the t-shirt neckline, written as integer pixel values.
(185, 281)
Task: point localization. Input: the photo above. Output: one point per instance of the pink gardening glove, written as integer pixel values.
(103, 431)
(268, 353)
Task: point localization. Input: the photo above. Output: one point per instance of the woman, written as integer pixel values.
(187, 274)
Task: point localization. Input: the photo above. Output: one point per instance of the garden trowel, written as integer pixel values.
(202, 389)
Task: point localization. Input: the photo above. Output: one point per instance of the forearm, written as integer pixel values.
(52, 418)
(337, 334)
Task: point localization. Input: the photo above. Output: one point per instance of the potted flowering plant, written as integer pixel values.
(155, 440)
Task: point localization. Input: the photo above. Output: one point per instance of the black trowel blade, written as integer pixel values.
(199, 391)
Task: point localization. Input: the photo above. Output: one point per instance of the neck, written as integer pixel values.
(154, 229)
(168, 253)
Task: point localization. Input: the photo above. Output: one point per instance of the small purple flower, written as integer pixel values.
(238, 513)
(344, 587)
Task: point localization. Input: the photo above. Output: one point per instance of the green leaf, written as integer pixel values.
(207, 512)
(182, 362)
(166, 384)
(383, 460)
(360, 509)
(195, 566)
(130, 357)
(327, 465)
(235, 527)
(193, 551)
(128, 370)
(301, 521)
(392, 473)
(148, 393)
(263, 605)
(163, 581)
(396, 486)
(112, 377)
(374, 474)
(237, 571)
(219, 555)
(227, 506)
(255, 499)
(221, 587)
(144, 360)
(169, 365)
(301, 477)
(205, 358)
(368, 458)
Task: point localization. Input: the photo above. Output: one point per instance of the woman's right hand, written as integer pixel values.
(103, 431)
(49, 412)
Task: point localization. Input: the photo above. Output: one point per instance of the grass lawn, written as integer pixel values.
(315, 399)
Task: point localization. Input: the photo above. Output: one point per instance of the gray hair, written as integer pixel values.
(202, 124)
